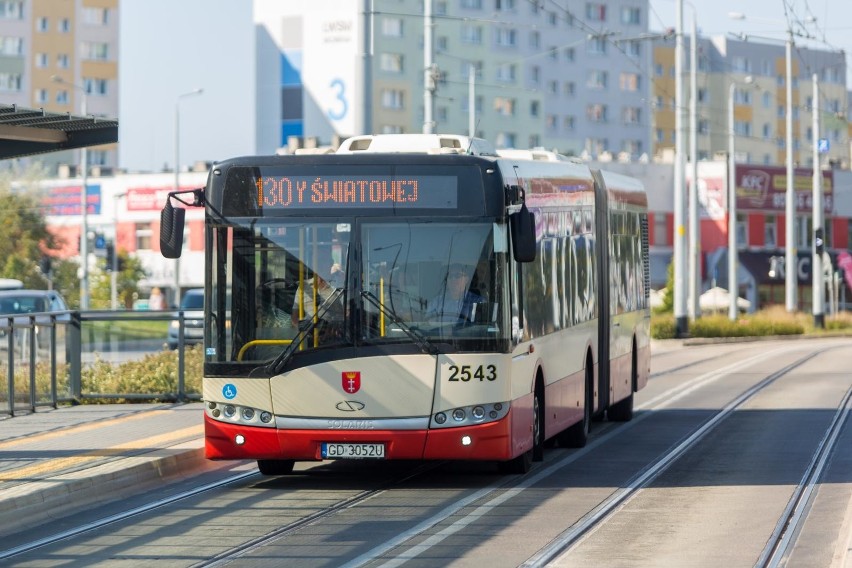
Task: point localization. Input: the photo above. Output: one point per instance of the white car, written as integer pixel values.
(192, 306)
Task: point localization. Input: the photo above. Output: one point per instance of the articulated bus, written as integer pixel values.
(416, 297)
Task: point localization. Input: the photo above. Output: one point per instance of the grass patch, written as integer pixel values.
(774, 321)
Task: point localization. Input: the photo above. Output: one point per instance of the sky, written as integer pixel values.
(209, 44)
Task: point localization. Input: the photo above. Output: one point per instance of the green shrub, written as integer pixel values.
(154, 374)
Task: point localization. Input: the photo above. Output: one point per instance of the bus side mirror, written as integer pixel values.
(171, 230)
(522, 225)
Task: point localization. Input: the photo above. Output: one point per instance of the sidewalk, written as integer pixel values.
(55, 461)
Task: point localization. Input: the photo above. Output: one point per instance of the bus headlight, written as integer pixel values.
(248, 413)
(266, 417)
(470, 415)
(230, 410)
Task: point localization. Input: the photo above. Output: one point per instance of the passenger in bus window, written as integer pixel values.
(455, 302)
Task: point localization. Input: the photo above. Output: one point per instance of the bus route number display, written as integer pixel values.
(323, 192)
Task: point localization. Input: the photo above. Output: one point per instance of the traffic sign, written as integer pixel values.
(823, 145)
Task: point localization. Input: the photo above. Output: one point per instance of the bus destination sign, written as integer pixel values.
(360, 191)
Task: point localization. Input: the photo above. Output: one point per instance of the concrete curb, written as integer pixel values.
(33, 503)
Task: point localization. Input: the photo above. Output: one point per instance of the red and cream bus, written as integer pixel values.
(439, 302)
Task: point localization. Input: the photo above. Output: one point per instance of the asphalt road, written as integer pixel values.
(736, 452)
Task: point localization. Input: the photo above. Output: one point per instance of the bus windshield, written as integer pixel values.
(285, 286)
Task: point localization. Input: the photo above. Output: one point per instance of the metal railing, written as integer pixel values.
(48, 355)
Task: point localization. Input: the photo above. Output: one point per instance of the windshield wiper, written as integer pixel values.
(278, 364)
(419, 339)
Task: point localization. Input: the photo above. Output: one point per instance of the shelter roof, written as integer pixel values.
(26, 131)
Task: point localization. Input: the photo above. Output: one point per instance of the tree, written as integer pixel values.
(129, 274)
(24, 238)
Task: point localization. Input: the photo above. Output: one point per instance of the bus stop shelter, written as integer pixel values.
(26, 131)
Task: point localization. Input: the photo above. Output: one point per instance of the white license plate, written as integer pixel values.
(334, 450)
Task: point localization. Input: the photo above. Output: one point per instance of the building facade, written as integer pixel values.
(62, 56)
(520, 74)
(757, 72)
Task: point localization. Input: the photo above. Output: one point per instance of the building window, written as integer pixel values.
(62, 61)
(631, 15)
(42, 24)
(41, 60)
(535, 40)
(95, 86)
(504, 5)
(64, 25)
(391, 129)
(535, 74)
(595, 12)
(570, 54)
(568, 123)
(143, 236)
(534, 141)
(506, 140)
(596, 112)
(550, 122)
(632, 147)
(742, 128)
(95, 50)
(478, 101)
(393, 99)
(41, 96)
(596, 46)
(633, 48)
(569, 88)
(504, 106)
(770, 231)
(535, 107)
(11, 45)
(392, 27)
(391, 62)
(506, 73)
(471, 34)
(740, 64)
(631, 115)
(597, 79)
(96, 16)
(471, 4)
(661, 235)
(506, 37)
(12, 10)
(742, 231)
(62, 97)
(10, 82)
(629, 82)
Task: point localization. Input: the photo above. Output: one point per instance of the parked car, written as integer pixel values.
(192, 306)
(21, 303)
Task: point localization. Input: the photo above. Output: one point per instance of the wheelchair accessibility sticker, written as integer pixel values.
(229, 391)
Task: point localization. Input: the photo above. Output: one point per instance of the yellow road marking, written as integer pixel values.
(81, 428)
(59, 464)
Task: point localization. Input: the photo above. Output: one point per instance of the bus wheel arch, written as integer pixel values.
(576, 435)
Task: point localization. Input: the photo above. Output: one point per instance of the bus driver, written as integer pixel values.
(455, 303)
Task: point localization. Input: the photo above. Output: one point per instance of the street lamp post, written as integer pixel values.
(790, 269)
(733, 260)
(177, 179)
(84, 205)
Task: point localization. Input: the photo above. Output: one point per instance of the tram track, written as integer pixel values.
(430, 532)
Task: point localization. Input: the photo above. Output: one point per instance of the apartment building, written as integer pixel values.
(518, 73)
(62, 56)
(757, 71)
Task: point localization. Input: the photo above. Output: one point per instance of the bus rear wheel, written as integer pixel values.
(275, 467)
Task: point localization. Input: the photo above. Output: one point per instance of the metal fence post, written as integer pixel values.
(75, 348)
(10, 366)
(181, 348)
